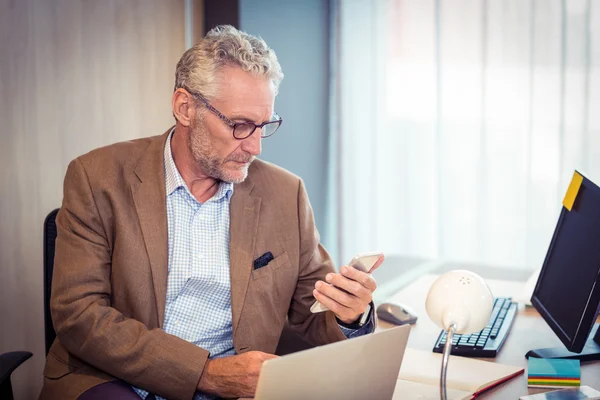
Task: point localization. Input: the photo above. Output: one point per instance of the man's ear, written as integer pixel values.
(183, 107)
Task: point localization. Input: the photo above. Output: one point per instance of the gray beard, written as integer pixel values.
(204, 154)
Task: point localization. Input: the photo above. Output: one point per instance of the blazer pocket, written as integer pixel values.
(281, 260)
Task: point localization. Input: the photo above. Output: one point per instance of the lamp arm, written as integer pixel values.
(445, 358)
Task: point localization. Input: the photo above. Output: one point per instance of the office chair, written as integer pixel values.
(50, 233)
(8, 363)
(11, 361)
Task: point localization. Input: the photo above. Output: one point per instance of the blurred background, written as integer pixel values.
(436, 131)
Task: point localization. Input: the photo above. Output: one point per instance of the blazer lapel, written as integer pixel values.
(149, 197)
(244, 212)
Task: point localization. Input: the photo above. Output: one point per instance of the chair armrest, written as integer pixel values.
(10, 361)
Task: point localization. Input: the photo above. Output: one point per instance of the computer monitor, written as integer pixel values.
(567, 293)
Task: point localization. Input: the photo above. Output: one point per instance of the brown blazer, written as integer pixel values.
(110, 275)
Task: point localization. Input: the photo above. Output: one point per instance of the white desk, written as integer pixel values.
(529, 331)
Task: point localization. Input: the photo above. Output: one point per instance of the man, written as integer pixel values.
(180, 257)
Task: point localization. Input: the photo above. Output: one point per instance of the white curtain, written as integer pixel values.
(458, 125)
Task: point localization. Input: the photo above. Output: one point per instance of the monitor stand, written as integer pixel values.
(590, 352)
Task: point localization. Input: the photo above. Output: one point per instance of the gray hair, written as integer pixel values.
(223, 46)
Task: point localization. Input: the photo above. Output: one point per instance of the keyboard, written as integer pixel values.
(490, 339)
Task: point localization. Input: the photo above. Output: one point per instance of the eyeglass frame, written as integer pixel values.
(233, 124)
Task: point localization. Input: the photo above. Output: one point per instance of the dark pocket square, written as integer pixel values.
(263, 260)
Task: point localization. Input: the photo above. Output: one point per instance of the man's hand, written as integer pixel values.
(350, 302)
(234, 376)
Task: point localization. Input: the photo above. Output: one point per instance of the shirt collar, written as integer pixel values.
(174, 180)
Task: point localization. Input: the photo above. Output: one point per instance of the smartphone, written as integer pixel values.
(365, 262)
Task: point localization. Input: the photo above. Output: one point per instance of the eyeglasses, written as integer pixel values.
(242, 130)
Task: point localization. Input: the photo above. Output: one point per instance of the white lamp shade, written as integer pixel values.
(462, 298)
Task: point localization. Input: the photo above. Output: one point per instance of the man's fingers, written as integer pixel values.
(334, 293)
(363, 278)
(353, 287)
(341, 311)
(260, 355)
(347, 294)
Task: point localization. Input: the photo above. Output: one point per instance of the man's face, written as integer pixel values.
(241, 97)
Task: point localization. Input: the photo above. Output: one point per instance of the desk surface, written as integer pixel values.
(529, 331)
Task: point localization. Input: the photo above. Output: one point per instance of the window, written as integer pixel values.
(458, 125)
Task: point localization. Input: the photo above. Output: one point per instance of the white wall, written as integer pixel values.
(74, 75)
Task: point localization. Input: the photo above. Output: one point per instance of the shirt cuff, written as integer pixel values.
(355, 330)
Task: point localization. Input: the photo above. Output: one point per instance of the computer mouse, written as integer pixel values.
(395, 313)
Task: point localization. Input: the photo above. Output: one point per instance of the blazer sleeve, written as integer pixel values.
(314, 264)
(86, 324)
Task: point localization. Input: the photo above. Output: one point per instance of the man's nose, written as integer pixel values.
(253, 143)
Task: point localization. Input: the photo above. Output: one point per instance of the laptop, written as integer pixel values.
(359, 368)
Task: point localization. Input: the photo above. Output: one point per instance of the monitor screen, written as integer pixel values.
(567, 293)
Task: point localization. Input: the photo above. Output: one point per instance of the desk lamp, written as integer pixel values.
(460, 302)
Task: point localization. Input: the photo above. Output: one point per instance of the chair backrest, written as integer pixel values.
(50, 233)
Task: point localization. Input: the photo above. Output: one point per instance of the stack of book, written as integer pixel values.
(553, 372)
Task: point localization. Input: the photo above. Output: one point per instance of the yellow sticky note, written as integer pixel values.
(572, 191)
